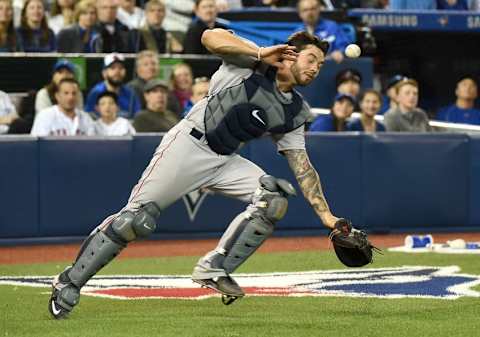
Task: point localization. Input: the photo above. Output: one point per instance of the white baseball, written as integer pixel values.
(353, 51)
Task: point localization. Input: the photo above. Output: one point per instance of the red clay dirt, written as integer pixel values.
(67, 252)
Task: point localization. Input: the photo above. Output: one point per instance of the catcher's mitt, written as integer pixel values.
(351, 245)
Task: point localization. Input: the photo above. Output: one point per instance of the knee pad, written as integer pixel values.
(271, 198)
(129, 225)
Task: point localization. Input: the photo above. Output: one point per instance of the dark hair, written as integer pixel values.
(198, 2)
(43, 25)
(302, 39)
(7, 34)
(107, 93)
(67, 80)
(370, 91)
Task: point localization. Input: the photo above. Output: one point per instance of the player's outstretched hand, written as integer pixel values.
(274, 55)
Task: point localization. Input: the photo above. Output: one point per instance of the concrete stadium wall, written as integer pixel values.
(58, 188)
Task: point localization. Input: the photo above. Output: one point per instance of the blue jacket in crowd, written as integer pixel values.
(127, 100)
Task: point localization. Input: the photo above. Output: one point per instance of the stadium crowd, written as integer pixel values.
(118, 105)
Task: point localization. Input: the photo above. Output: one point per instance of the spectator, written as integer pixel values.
(370, 103)
(348, 82)
(63, 119)
(151, 35)
(61, 15)
(147, 66)
(109, 124)
(155, 118)
(112, 36)
(389, 100)
(78, 37)
(46, 96)
(181, 81)
(130, 15)
(33, 33)
(199, 91)
(341, 110)
(178, 15)
(8, 36)
(453, 5)
(114, 74)
(406, 116)
(414, 5)
(309, 12)
(463, 110)
(8, 113)
(206, 18)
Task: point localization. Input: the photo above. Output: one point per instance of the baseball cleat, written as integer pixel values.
(224, 285)
(64, 296)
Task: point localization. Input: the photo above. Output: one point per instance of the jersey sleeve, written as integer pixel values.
(293, 140)
(41, 124)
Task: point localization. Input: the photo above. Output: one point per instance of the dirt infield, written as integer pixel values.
(67, 252)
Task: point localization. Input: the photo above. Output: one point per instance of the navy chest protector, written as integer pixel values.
(246, 111)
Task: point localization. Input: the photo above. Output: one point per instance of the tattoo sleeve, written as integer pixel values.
(308, 179)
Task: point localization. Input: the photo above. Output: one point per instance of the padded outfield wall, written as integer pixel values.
(62, 188)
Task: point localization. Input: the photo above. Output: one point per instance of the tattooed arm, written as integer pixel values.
(309, 182)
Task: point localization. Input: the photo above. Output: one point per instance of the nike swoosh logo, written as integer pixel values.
(255, 114)
(54, 309)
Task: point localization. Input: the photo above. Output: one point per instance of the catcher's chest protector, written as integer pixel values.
(248, 110)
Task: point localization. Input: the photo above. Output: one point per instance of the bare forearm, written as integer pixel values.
(222, 42)
(309, 182)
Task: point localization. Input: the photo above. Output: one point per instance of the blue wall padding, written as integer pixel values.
(55, 187)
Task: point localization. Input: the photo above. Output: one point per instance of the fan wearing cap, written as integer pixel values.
(406, 116)
(463, 110)
(348, 82)
(114, 73)
(309, 11)
(370, 103)
(46, 96)
(390, 97)
(156, 117)
(341, 110)
(109, 124)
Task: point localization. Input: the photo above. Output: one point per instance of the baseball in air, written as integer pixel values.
(353, 51)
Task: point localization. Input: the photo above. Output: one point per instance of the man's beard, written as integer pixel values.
(114, 83)
(297, 76)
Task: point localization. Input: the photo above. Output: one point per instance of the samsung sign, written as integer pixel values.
(390, 20)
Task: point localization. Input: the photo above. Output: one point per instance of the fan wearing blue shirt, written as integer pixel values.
(463, 110)
(309, 12)
(336, 120)
(114, 74)
(370, 103)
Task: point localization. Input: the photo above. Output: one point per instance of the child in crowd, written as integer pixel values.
(109, 124)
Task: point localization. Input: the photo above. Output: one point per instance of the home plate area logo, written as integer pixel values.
(425, 282)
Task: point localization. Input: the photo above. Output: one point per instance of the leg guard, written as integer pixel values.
(102, 247)
(248, 230)
(98, 250)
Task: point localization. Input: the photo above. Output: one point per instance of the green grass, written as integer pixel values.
(23, 310)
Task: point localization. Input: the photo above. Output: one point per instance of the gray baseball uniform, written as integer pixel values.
(243, 103)
(182, 163)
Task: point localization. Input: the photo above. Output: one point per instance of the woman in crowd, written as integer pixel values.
(370, 103)
(61, 15)
(78, 37)
(341, 110)
(8, 37)
(181, 82)
(33, 33)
